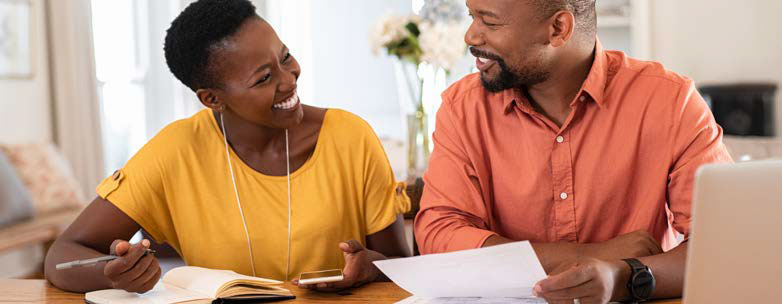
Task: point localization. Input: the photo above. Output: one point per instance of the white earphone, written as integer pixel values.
(239, 204)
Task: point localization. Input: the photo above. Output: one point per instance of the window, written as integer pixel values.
(138, 94)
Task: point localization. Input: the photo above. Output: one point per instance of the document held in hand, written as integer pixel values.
(502, 271)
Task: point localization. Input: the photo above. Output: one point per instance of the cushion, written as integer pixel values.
(47, 176)
(16, 204)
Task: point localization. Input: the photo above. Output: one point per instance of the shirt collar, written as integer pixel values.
(594, 85)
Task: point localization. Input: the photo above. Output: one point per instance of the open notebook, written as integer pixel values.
(198, 285)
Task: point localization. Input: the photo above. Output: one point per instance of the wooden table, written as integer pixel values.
(40, 291)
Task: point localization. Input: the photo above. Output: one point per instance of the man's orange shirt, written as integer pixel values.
(625, 159)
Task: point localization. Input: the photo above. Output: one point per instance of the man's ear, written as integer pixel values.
(562, 27)
(209, 99)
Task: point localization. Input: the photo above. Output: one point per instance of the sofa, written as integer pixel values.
(39, 198)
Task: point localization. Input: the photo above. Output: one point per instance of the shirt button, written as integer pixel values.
(563, 196)
(582, 98)
(560, 139)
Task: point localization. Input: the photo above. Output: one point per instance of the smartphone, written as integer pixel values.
(323, 276)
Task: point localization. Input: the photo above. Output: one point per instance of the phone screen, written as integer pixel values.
(320, 274)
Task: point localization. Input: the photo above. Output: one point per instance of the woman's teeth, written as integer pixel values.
(288, 104)
(483, 60)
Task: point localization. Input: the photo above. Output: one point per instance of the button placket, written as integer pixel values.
(562, 177)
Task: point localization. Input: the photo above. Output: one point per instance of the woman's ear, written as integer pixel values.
(209, 99)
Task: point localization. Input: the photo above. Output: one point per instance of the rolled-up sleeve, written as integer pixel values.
(697, 141)
(453, 213)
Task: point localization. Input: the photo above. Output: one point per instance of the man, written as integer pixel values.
(588, 154)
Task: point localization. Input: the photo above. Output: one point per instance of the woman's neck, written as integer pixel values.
(248, 136)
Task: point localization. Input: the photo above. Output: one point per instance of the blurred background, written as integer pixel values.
(84, 83)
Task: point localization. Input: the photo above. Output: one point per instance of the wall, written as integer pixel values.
(25, 116)
(345, 72)
(720, 41)
(25, 111)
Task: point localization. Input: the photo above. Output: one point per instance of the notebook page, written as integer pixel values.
(160, 294)
(207, 281)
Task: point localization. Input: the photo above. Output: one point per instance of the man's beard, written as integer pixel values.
(508, 78)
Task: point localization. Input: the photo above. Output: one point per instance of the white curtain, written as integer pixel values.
(76, 109)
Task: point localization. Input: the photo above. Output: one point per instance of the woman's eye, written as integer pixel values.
(263, 79)
(287, 57)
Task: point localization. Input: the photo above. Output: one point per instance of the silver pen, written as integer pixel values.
(93, 261)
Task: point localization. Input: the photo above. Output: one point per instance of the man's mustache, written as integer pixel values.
(483, 54)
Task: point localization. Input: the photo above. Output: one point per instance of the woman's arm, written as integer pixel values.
(392, 241)
(100, 230)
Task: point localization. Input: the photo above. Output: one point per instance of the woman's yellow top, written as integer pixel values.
(178, 188)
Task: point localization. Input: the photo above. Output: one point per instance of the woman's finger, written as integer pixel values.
(142, 267)
(146, 281)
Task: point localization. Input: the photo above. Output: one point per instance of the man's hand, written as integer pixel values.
(632, 245)
(134, 270)
(358, 271)
(588, 280)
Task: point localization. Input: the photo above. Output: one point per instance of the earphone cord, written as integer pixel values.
(238, 202)
(288, 161)
(236, 191)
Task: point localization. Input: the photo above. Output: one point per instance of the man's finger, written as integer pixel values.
(658, 248)
(576, 292)
(572, 277)
(554, 301)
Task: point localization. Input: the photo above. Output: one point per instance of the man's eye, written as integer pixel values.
(287, 57)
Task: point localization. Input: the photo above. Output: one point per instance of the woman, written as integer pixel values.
(257, 183)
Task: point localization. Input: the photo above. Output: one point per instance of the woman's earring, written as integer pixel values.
(222, 108)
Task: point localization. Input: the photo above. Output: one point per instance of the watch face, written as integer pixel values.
(643, 284)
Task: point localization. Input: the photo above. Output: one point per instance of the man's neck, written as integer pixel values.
(554, 96)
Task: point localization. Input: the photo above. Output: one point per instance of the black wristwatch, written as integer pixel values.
(641, 283)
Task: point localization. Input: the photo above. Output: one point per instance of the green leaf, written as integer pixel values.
(413, 28)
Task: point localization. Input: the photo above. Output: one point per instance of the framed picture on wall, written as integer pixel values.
(15, 46)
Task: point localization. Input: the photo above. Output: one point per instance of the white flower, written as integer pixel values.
(442, 43)
(389, 29)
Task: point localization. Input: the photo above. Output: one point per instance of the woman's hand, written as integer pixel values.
(134, 270)
(358, 271)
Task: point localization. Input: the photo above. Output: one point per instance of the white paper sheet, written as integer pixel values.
(503, 271)
(419, 300)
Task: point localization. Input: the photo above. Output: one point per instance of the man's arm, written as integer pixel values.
(552, 255)
(668, 269)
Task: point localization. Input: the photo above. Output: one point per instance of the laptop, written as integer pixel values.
(735, 253)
